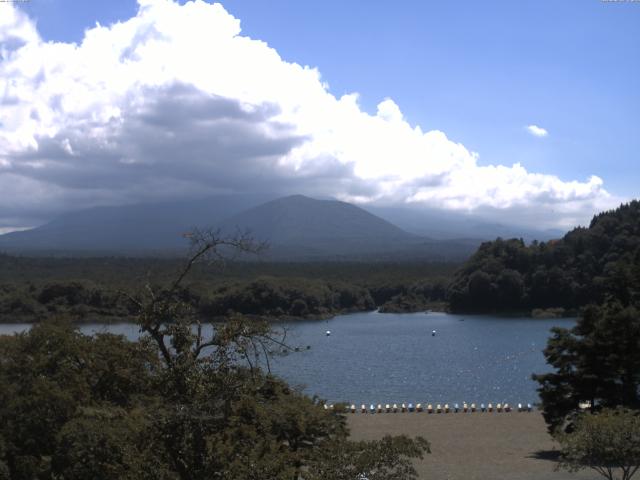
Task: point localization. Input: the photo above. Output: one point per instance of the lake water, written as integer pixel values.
(385, 358)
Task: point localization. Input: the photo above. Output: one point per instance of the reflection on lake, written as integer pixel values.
(379, 358)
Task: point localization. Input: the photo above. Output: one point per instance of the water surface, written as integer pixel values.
(378, 358)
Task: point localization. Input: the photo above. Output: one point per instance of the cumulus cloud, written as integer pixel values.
(537, 131)
(177, 102)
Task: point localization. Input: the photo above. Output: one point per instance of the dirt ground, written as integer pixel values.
(473, 446)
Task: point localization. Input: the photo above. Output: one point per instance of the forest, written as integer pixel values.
(588, 265)
(91, 289)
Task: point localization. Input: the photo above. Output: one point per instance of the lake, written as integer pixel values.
(385, 358)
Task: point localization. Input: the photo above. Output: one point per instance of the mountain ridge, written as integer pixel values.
(296, 227)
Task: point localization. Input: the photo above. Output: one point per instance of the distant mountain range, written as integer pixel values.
(295, 227)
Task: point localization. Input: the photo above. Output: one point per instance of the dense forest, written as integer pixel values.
(89, 290)
(588, 265)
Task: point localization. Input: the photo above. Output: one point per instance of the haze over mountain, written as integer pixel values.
(443, 225)
(296, 228)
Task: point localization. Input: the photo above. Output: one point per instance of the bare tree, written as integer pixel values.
(168, 316)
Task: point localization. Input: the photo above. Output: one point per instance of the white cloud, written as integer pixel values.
(537, 131)
(176, 102)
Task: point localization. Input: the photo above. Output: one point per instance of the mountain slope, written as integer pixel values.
(444, 225)
(295, 227)
(299, 219)
(302, 227)
(128, 229)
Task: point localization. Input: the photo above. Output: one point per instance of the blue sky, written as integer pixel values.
(479, 72)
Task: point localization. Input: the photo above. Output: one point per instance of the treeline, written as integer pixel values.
(588, 265)
(48, 288)
(279, 297)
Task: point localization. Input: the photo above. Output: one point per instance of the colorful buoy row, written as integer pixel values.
(439, 408)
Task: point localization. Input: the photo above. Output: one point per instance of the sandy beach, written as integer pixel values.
(478, 446)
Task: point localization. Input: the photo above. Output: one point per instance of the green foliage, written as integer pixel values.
(588, 265)
(174, 405)
(298, 297)
(48, 374)
(598, 361)
(387, 459)
(106, 443)
(89, 290)
(607, 442)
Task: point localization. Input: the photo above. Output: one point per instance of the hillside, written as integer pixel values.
(302, 226)
(588, 265)
(295, 227)
(447, 224)
(131, 229)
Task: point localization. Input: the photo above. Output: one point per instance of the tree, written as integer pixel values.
(49, 375)
(175, 405)
(597, 362)
(388, 459)
(586, 265)
(606, 442)
(224, 416)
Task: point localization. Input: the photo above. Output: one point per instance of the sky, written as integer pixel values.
(524, 112)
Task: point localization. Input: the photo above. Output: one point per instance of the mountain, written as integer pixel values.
(303, 227)
(295, 227)
(300, 220)
(133, 229)
(445, 225)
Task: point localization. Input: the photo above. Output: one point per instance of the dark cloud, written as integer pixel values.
(180, 133)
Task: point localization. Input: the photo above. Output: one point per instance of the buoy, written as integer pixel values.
(429, 408)
(328, 332)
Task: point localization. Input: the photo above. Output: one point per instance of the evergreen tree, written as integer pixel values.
(597, 362)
